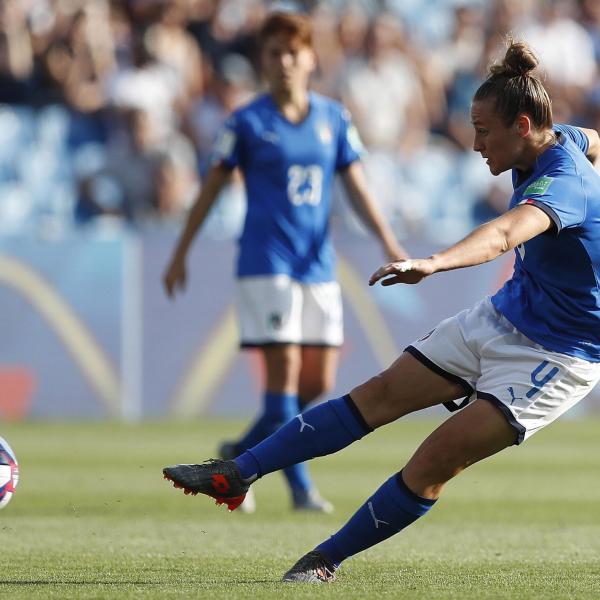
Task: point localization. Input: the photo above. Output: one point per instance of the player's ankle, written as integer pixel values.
(248, 467)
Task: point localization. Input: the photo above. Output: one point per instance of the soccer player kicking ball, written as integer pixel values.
(520, 358)
(288, 143)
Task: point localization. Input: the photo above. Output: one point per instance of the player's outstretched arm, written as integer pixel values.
(175, 276)
(482, 245)
(356, 187)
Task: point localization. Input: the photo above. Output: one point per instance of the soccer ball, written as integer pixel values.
(9, 473)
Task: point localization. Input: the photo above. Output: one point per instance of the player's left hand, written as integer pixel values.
(404, 271)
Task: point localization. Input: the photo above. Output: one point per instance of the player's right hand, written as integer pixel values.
(409, 271)
(175, 276)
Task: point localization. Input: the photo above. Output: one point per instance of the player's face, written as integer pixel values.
(287, 63)
(502, 146)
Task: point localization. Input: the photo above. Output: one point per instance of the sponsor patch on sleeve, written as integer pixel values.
(539, 186)
(354, 140)
(224, 144)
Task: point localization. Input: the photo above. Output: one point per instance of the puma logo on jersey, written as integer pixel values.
(270, 136)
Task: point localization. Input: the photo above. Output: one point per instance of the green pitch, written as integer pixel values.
(93, 518)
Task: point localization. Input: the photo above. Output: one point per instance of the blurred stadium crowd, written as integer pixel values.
(108, 109)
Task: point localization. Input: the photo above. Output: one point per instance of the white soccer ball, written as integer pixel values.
(9, 473)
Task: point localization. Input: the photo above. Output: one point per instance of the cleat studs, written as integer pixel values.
(233, 503)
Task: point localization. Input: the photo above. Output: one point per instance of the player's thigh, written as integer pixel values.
(317, 372)
(478, 431)
(282, 367)
(406, 386)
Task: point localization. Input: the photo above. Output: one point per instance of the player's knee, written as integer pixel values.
(437, 462)
(376, 387)
(375, 400)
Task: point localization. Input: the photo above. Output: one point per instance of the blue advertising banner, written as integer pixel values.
(87, 331)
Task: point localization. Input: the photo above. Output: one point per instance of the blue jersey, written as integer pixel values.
(553, 296)
(288, 172)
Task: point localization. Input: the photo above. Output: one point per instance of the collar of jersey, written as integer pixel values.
(282, 117)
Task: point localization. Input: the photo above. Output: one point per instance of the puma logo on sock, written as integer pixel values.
(304, 424)
(375, 519)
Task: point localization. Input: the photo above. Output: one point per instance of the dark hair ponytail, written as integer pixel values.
(516, 89)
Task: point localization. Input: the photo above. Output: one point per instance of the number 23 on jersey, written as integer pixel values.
(305, 184)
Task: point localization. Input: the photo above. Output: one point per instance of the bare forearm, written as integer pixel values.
(483, 244)
(492, 239)
(367, 210)
(195, 218)
(376, 223)
(213, 185)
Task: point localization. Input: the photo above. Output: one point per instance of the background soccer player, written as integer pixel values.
(288, 143)
(524, 356)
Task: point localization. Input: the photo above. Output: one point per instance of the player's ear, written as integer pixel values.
(523, 125)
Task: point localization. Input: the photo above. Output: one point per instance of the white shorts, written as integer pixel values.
(484, 353)
(275, 309)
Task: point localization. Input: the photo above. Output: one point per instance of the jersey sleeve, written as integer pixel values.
(350, 147)
(559, 196)
(227, 147)
(575, 135)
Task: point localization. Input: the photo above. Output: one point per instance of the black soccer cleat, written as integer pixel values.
(228, 451)
(219, 479)
(311, 568)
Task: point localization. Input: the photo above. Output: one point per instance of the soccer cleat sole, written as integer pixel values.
(232, 503)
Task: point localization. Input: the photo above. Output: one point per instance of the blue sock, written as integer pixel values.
(319, 431)
(297, 475)
(278, 409)
(389, 510)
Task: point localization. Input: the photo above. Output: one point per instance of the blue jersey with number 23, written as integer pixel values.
(288, 171)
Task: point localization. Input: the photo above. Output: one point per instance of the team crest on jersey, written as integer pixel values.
(275, 321)
(325, 133)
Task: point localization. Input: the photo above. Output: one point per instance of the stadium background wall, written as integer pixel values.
(87, 332)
